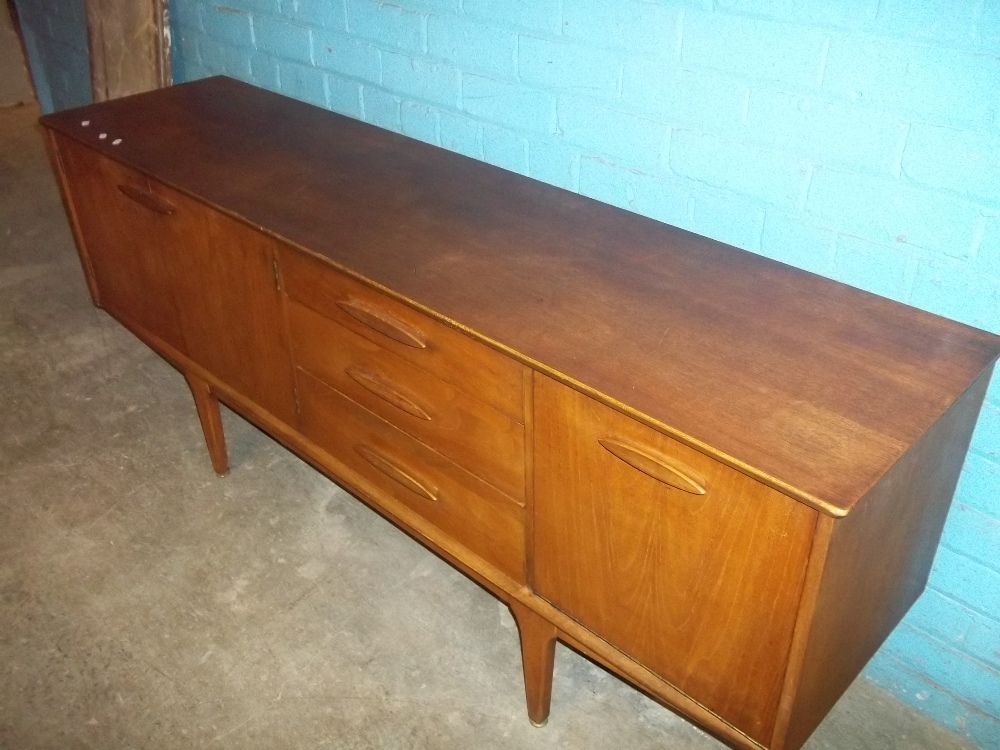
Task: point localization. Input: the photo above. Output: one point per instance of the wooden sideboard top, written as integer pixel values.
(809, 384)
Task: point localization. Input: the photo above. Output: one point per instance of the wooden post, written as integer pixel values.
(129, 46)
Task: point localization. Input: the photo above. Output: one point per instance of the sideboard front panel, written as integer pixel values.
(446, 353)
(469, 432)
(226, 287)
(689, 567)
(196, 279)
(126, 234)
(484, 520)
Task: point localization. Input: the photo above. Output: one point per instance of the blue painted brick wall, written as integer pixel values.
(55, 37)
(859, 139)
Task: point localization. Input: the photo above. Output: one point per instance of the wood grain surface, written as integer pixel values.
(228, 302)
(126, 245)
(463, 506)
(476, 436)
(700, 588)
(877, 564)
(410, 335)
(129, 44)
(810, 385)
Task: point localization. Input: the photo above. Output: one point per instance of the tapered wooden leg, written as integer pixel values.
(211, 423)
(538, 648)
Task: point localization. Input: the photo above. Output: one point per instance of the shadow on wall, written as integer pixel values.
(55, 39)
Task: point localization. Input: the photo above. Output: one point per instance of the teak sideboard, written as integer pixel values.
(720, 477)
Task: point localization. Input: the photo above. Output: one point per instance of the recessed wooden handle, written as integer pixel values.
(397, 472)
(656, 465)
(387, 391)
(147, 199)
(384, 323)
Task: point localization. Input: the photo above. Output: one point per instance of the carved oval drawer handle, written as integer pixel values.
(397, 472)
(384, 323)
(147, 199)
(385, 390)
(656, 465)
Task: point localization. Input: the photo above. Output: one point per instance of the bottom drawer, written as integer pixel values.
(460, 504)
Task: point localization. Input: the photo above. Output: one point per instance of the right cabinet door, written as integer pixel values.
(689, 567)
(225, 282)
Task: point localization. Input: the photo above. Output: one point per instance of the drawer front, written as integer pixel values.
(690, 567)
(476, 436)
(443, 351)
(460, 504)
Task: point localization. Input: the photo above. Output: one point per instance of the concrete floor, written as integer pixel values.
(14, 85)
(146, 603)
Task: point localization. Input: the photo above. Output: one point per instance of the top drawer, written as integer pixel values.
(442, 351)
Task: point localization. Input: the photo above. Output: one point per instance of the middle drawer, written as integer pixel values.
(474, 435)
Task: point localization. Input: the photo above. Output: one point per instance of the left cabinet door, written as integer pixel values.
(125, 234)
(170, 266)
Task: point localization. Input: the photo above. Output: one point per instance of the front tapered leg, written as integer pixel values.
(211, 423)
(538, 647)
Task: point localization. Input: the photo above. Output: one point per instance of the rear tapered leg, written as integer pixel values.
(538, 646)
(211, 423)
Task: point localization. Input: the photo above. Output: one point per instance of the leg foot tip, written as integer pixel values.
(222, 474)
(539, 724)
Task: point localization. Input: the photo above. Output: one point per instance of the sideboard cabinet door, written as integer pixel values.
(126, 240)
(172, 267)
(689, 567)
(226, 285)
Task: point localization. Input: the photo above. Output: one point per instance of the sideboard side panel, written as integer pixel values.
(878, 562)
(52, 142)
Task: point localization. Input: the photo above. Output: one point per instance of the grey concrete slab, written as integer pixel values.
(15, 87)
